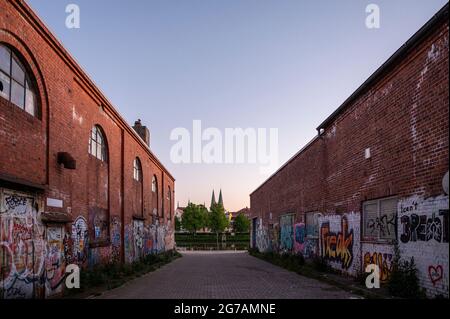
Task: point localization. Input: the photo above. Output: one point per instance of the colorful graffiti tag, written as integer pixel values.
(382, 260)
(287, 232)
(79, 240)
(299, 233)
(23, 250)
(54, 262)
(337, 246)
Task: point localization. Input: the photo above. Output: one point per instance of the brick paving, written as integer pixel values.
(224, 275)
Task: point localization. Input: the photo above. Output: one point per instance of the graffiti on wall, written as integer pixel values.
(435, 273)
(299, 236)
(287, 232)
(337, 246)
(79, 240)
(262, 236)
(423, 234)
(98, 219)
(23, 250)
(383, 226)
(142, 240)
(424, 227)
(382, 260)
(115, 238)
(274, 236)
(138, 239)
(54, 262)
(310, 247)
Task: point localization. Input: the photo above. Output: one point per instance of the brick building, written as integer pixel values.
(376, 173)
(77, 183)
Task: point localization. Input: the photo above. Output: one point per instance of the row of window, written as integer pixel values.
(98, 149)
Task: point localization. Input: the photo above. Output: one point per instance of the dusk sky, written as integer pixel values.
(231, 63)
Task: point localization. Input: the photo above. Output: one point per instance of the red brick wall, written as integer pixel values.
(70, 105)
(403, 119)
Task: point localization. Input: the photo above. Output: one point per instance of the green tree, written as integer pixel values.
(194, 217)
(241, 224)
(217, 221)
(177, 223)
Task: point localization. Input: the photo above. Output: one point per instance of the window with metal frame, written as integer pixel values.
(380, 219)
(16, 84)
(97, 144)
(137, 170)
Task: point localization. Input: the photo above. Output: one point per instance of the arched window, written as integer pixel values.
(137, 170)
(169, 199)
(97, 144)
(16, 84)
(154, 185)
(155, 198)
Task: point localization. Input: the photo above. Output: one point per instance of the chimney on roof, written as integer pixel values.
(142, 131)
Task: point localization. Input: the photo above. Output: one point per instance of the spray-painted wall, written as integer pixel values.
(423, 234)
(31, 254)
(339, 241)
(34, 254)
(142, 240)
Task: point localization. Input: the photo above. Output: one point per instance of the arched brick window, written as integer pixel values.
(155, 197)
(137, 189)
(169, 199)
(17, 84)
(137, 170)
(97, 144)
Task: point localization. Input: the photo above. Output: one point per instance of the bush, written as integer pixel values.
(403, 281)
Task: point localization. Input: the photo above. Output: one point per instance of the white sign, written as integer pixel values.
(53, 202)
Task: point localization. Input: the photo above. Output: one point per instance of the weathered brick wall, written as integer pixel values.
(402, 117)
(100, 198)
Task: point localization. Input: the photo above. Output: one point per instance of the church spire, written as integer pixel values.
(213, 200)
(220, 199)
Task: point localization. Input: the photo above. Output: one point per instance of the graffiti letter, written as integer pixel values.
(406, 229)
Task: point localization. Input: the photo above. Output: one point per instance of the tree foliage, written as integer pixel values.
(241, 224)
(194, 217)
(217, 221)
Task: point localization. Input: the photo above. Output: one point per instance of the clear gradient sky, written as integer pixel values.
(231, 63)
